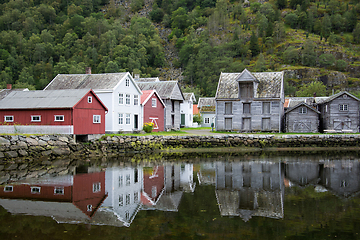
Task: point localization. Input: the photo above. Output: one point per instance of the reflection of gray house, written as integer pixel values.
(340, 112)
(250, 101)
(171, 95)
(341, 177)
(249, 189)
(124, 187)
(302, 173)
(206, 108)
(302, 118)
(206, 174)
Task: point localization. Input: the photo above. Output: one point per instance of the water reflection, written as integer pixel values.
(114, 195)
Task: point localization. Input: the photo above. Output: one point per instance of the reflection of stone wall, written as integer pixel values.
(14, 146)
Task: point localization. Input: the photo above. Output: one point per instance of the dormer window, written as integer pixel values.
(246, 90)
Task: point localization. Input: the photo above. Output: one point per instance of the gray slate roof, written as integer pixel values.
(86, 81)
(294, 101)
(270, 84)
(338, 95)
(206, 102)
(302, 104)
(155, 79)
(5, 92)
(188, 96)
(43, 99)
(165, 89)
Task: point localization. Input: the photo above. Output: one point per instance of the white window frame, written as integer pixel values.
(127, 82)
(96, 118)
(96, 187)
(127, 199)
(302, 110)
(35, 191)
(343, 107)
(58, 190)
(121, 99)
(89, 208)
(128, 179)
(136, 100)
(89, 99)
(61, 118)
(35, 116)
(153, 102)
(8, 189)
(121, 200)
(127, 118)
(136, 197)
(121, 181)
(8, 118)
(207, 120)
(127, 99)
(121, 118)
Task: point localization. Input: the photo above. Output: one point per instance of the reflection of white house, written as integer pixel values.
(186, 177)
(206, 174)
(186, 110)
(124, 187)
(247, 189)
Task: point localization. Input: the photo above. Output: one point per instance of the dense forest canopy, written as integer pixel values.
(40, 39)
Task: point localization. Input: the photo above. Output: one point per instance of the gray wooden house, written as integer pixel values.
(171, 95)
(340, 113)
(249, 102)
(302, 118)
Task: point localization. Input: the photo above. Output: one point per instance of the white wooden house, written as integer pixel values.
(206, 108)
(249, 102)
(118, 91)
(186, 110)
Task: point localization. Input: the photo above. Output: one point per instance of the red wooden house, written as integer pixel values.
(78, 112)
(153, 185)
(153, 109)
(69, 198)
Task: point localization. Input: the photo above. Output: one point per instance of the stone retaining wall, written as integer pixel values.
(53, 146)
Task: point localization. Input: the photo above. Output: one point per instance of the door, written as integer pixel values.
(342, 124)
(228, 123)
(302, 126)
(136, 121)
(246, 123)
(266, 124)
(182, 119)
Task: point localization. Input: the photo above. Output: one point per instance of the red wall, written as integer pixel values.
(157, 181)
(152, 112)
(23, 191)
(83, 186)
(23, 117)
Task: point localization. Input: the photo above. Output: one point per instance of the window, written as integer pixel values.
(8, 189)
(153, 191)
(153, 102)
(89, 208)
(127, 99)
(121, 118)
(89, 99)
(136, 197)
(127, 215)
(246, 108)
(121, 98)
(36, 118)
(96, 187)
(343, 107)
(8, 118)
(266, 107)
(121, 181)
(59, 118)
(136, 100)
(246, 90)
(302, 110)
(35, 189)
(228, 108)
(121, 200)
(96, 119)
(206, 120)
(59, 190)
(127, 199)
(127, 82)
(127, 119)
(128, 180)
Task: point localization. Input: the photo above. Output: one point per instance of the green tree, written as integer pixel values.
(340, 65)
(291, 19)
(260, 65)
(254, 45)
(326, 60)
(326, 26)
(309, 89)
(308, 54)
(291, 55)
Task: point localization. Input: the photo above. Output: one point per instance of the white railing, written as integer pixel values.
(37, 129)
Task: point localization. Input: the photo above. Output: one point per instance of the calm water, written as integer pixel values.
(222, 196)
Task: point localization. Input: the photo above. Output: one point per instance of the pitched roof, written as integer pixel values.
(5, 92)
(43, 99)
(154, 79)
(207, 104)
(104, 81)
(302, 104)
(293, 101)
(269, 84)
(189, 96)
(166, 89)
(338, 95)
(147, 94)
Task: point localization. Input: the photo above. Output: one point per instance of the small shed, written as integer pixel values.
(71, 111)
(206, 108)
(153, 109)
(302, 118)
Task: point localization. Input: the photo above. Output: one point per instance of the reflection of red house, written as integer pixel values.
(153, 184)
(77, 111)
(153, 109)
(85, 192)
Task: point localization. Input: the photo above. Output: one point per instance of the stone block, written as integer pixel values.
(59, 151)
(11, 154)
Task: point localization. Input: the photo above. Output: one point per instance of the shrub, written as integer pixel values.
(197, 118)
(148, 127)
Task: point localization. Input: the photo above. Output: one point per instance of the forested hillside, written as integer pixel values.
(316, 42)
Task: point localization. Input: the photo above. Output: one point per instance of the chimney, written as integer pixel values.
(88, 70)
(137, 76)
(9, 86)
